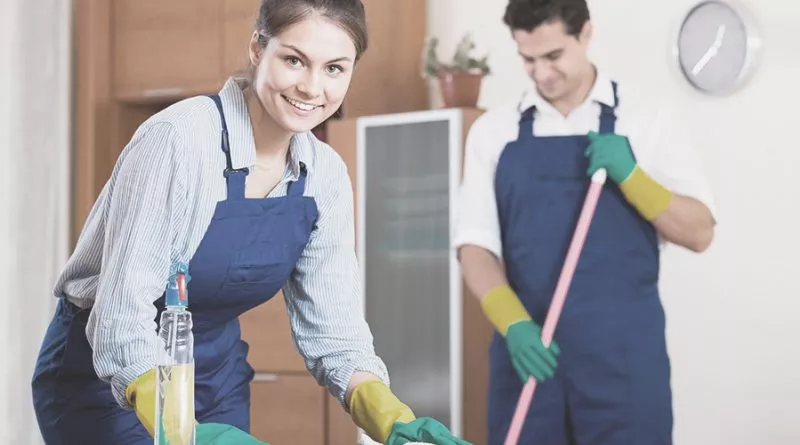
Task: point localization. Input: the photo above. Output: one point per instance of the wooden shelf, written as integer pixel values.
(165, 96)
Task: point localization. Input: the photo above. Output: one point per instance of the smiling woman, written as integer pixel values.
(302, 59)
(237, 186)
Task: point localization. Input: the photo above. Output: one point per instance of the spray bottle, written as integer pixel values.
(175, 418)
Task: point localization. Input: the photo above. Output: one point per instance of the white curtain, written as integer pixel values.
(35, 40)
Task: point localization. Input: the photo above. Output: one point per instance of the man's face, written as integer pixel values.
(555, 60)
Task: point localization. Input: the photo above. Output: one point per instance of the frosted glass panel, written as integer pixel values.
(406, 258)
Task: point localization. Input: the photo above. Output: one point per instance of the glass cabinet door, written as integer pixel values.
(406, 258)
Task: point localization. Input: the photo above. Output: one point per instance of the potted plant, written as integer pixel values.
(460, 80)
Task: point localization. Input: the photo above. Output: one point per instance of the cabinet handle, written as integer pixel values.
(160, 92)
(265, 377)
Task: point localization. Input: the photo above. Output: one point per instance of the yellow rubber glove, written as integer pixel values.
(646, 195)
(375, 409)
(503, 308)
(614, 153)
(142, 395)
(528, 354)
(178, 414)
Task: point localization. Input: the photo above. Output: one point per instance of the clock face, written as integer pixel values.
(714, 47)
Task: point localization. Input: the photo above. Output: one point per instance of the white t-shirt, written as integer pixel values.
(660, 143)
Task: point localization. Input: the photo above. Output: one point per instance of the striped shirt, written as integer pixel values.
(155, 210)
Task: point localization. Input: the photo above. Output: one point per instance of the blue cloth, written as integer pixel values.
(612, 384)
(247, 254)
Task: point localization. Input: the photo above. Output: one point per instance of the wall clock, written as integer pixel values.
(718, 46)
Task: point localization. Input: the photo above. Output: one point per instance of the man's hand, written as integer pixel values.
(611, 152)
(529, 356)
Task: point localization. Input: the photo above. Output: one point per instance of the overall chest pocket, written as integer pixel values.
(273, 248)
(262, 262)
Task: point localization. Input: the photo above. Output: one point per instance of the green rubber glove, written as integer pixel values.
(423, 429)
(529, 356)
(612, 152)
(523, 337)
(221, 434)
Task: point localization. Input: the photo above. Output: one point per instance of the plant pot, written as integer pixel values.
(460, 90)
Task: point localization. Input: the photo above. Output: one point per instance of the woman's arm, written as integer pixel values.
(323, 296)
(143, 216)
(327, 317)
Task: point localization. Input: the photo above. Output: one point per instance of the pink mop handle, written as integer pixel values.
(560, 295)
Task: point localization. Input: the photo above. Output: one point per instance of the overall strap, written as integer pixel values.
(297, 188)
(608, 115)
(526, 124)
(608, 118)
(235, 177)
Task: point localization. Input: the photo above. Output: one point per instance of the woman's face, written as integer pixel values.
(303, 74)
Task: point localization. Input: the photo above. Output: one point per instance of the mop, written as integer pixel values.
(559, 296)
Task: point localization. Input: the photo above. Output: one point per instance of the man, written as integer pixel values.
(605, 378)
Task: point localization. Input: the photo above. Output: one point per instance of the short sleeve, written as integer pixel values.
(477, 222)
(676, 162)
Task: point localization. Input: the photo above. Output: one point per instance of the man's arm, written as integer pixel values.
(477, 226)
(482, 270)
(669, 188)
(478, 229)
(679, 219)
(686, 222)
(689, 220)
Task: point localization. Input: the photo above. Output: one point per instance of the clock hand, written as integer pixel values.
(704, 60)
(720, 35)
(711, 52)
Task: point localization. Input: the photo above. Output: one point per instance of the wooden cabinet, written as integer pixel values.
(266, 329)
(238, 26)
(174, 49)
(287, 410)
(170, 50)
(397, 39)
(166, 48)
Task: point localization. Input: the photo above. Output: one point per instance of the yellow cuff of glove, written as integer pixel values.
(503, 308)
(645, 194)
(178, 410)
(142, 395)
(375, 409)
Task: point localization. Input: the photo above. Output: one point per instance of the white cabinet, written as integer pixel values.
(406, 169)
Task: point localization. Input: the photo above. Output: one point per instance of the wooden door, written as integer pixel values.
(287, 410)
(266, 329)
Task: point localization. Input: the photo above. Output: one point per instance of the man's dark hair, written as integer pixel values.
(528, 15)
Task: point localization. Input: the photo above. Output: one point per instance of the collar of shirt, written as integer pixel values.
(601, 92)
(242, 143)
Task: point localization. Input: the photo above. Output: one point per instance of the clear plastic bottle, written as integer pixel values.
(175, 418)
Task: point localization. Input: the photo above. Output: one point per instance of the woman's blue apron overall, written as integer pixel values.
(612, 383)
(248, 252)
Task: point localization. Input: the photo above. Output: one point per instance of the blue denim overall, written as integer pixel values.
(612, 383)
(247, 254)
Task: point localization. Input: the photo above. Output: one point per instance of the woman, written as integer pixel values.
(237, 186)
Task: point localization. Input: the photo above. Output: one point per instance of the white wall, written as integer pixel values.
(733, 311)
(34, 193)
